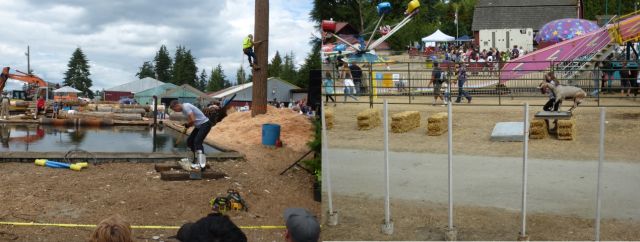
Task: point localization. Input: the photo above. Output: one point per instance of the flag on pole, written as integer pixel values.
(456, 20)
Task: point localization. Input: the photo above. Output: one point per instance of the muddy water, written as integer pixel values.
(42, 138)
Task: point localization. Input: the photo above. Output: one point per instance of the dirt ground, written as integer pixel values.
(361, 215)
(45, 195)
(473, 126)
(360, 218)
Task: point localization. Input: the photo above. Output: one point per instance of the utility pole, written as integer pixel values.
(28, 54)
(261, 33)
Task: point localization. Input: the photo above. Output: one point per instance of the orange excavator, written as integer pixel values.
(35, 82)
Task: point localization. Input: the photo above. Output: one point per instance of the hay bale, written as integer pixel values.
(369, 119)
(437, 124)
(405, 121)
(92, 107)
(538, 129)
(567, 129)
(329, 118)
(566, 124)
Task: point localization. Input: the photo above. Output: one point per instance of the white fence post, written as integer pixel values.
(600, 161)
(326, 168)
(387, 227)
(451, 233)
(525, 157)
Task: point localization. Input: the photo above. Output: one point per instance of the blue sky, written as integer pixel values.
(119, 35)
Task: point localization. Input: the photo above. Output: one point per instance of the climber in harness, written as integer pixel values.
(247, 48)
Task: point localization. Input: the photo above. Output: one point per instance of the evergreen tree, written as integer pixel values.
(178, 66)
(146, 70)
(77, 76)
(162, 67)
(312, 62)
(276, 66)
(203, 80)
(185, 70)
(241, 76)
(288, 72)
(218, 80)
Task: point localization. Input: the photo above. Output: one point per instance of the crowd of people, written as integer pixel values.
(606, 72)
(301, 226)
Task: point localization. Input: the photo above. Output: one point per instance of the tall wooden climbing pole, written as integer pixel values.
(261, 32)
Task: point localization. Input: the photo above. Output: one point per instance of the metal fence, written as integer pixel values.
(410, 82)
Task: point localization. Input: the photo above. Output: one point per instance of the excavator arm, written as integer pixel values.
(24, 77)
(3, 78)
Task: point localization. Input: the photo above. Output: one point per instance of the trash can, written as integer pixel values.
(270, 134)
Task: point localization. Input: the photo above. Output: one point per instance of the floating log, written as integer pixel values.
(177, 117)
(181, 175)
(104, 109)
(105, 115)
(130, 110)
(85, 122)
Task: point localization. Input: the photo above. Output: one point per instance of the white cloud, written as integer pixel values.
(118, 36)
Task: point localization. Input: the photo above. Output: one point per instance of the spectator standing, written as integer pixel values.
(515, 53)
(597, 76)
(328, 89)
(437, 78)
(625, 79)
(356, 72)
(349, 88)
(462, 78)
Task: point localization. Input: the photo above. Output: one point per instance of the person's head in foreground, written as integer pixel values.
(176, 106)
(112, 229)
(215, 227)
(302, 226)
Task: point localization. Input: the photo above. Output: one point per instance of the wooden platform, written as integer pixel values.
(170, 166)
(182, 175)
(562, 115)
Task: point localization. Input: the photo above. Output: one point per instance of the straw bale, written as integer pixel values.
(538, 129)
(329, 118)
(562, 124)
(437, 124)
(405, 121)
(369, 119)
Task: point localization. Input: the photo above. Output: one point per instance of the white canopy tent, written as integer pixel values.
(67, 90)
(436, 37)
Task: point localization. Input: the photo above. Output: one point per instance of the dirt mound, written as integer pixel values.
(241, 129)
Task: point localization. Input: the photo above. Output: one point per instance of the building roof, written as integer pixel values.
(519, 14)
(137, 85)
(235, 89)
(156, 91)
(67, 89)
(345, 28)
(185, 90)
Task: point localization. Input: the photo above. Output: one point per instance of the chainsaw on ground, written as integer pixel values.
(233, 201)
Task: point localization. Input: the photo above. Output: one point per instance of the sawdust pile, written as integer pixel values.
(240, 129)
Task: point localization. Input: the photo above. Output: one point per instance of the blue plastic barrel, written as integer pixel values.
(270, 134)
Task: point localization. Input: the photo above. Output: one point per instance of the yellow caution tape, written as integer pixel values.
(132, 226)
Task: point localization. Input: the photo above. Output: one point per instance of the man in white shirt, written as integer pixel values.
(202, 126)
